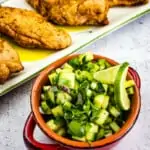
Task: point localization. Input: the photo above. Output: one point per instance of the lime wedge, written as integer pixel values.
(120, 94)
(107, 76)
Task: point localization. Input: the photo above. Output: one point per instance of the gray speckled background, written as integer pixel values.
(130, 43)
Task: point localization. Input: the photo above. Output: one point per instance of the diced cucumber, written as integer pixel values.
(90, 136)
(94, 85)
(79, 138)
(76, 128)
(83, 75)
(114, 111)
(58, 70)
(58, 111)
(51, 124)
(108, 120)
(91, 67)
(129, 83)
(61, 132)
(130, 90)
(46, 88)
(106, 102)
(50, 97)
(63, 70)
(98, 100)
(67, 105)
(67, 66)
(101, 101)
(67, 79)
(62, 97)
(108, 133)
(91, 130)
(101, 63)
(101, 117)
(43, 97)
(55, 124)
(100, 134)
(85, 57)
(54, 89)
(88, 93)
(53, 77)
(45, 108)
(115, 127)
(86, 75)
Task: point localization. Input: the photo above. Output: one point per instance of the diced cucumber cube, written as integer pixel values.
(61, 132)
(91, 130)
(101, 117)
(62, 97)
(115, 127)
(53, 77)
(67, 79)
(114, 111)
(46, 88)
(79, 138)
(58, 111)
(94, 85)
(101, 101)
(108, 133)
(100, 134)
(45, 108)
(67, 105)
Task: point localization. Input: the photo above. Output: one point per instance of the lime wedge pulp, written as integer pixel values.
(107, 76)
(120, 94)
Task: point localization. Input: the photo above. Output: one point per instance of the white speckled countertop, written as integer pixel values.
(131, 43)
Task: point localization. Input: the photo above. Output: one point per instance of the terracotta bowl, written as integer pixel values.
(42, 79)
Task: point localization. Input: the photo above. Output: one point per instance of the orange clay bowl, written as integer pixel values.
(42, 79)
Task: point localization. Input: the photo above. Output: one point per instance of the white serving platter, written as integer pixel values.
(81, 37)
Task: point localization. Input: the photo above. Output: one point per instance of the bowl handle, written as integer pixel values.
(29, 140)
(136, 77)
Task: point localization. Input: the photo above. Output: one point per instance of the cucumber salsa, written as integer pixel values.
(87, 99)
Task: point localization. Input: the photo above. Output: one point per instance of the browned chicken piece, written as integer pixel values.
(73, 12)
(113, 3)
(31, 30)
(9, 61)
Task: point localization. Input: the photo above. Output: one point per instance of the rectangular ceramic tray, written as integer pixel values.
(81, 37)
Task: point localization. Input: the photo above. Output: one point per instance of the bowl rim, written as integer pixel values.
(35, 97)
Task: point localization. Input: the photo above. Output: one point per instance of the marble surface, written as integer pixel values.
(131, 43)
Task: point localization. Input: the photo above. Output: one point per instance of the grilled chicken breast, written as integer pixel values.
(113, 3)
(9, 61)
(73, 12)
(31, 30)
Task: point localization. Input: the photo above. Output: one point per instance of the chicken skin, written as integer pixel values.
(73, 12)
(9, 61)
(113, 3)
(30, 30)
